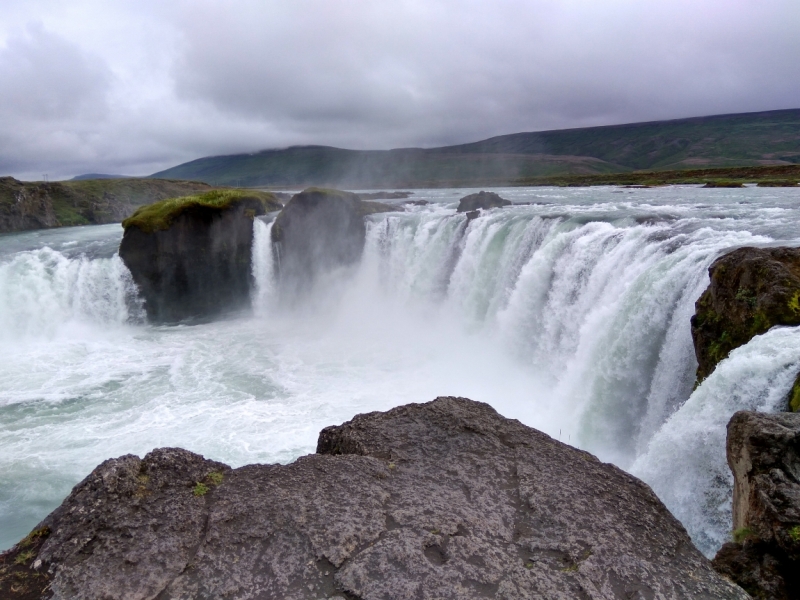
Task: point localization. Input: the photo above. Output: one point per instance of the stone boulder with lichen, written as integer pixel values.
(445, 500)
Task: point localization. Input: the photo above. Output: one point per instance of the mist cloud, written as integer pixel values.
(134, 88)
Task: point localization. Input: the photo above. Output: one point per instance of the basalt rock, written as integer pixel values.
(191, 257)
(318, 231)
(751, 290)
(764, 454)
(443, 500)
(484, 200)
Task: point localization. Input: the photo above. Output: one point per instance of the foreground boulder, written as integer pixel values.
(190, 257)
(483, 200)
(319, 230)
(764, 454)
(440, 500)
(751, 290)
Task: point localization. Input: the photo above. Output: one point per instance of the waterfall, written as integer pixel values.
(685, 460)
(44, 292)
(263, 268)
(599, 310)
(570, 314)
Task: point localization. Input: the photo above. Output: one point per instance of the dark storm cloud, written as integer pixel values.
(188, 79)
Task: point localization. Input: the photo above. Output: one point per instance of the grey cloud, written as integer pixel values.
(46, 77)
(222, 77)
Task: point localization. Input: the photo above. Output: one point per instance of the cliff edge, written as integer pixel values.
(443, 500)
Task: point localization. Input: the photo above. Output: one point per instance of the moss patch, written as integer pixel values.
(160, 215)
(794, 396)
(740, 535)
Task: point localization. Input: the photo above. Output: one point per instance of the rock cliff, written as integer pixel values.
(318, 231)
(39, 205)
(191, 257)
(763, 452)
(444, 500)
(751, 290)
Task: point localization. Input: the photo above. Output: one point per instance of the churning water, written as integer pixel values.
(570, 313)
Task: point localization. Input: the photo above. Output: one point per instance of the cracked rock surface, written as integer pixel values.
(440, 500)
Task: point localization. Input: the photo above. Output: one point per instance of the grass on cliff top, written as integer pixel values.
(160, 215)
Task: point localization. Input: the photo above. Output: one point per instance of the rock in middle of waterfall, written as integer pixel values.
(318, 231)
(190, 257)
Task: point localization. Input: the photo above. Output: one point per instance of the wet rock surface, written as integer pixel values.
(440, 500)
(763, 452)
(199, 266)
(318, 231)
(482, 200)
(751, 290)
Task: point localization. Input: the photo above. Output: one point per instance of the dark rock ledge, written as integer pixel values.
(751, 290)
(440, 500)
(764, 454)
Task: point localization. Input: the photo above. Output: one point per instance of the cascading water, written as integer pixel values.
(570, 313)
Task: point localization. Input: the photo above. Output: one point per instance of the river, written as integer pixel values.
(568, 311)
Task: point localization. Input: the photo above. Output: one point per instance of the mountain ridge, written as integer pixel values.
(732, 140)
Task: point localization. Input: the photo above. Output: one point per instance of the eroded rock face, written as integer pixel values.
(318, 231)
(484, 200)
(764, 454)
(440, 500)
(751, 290)
(198, 267)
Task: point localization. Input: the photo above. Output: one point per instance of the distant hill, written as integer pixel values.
(86, 176)
(750, 139)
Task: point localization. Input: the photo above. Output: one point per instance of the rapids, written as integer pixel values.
(570, 313)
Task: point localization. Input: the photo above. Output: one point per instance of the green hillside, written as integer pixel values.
(768, 138)
(34, 205)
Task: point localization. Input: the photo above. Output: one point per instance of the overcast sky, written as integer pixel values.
(134, 87)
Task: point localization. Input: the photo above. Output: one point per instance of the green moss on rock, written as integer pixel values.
(160, 215)
(794, 396)
(751, 291)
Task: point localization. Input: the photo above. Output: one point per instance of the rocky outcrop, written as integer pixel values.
(191, 257)
(38, 205)
(764, 454)
(440, 500)
(481, 200)
(318, 231)
(751, 290)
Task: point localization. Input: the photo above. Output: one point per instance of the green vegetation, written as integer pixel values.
(794, 396)
(34, 536)
(215, 478)
(160, 215)
(23, 557)
(717, 142)
(741, 534)
(794, 533)
(778, 183)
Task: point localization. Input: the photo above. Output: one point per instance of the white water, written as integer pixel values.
(571, 314)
